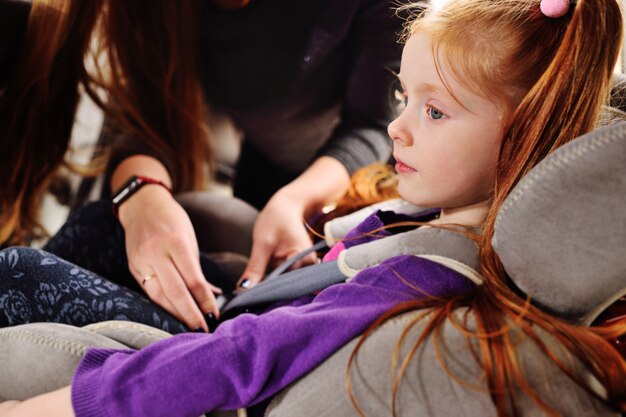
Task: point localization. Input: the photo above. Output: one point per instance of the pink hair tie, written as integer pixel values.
(554, 8)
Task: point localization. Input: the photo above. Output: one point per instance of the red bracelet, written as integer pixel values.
(130, 187)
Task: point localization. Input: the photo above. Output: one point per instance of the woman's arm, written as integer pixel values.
(161, 241)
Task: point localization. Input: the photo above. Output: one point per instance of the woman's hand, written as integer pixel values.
(56, 403)
(164, 257)
(279, 232)
(161, 244)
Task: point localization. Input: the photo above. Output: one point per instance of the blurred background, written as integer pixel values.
(87, 127)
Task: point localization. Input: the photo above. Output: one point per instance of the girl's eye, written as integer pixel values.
(435, 113)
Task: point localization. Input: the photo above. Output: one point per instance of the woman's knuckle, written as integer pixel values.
(177, 292)
(196, 286)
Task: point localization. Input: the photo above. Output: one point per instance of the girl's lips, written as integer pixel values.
(403, 168)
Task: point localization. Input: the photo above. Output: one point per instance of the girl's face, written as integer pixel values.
(446, 152)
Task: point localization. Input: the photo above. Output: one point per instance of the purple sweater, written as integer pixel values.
(250, 357)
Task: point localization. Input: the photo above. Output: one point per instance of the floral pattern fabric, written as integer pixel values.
(37, 286)
(81, 276)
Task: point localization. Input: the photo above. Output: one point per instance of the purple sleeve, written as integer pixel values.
(251, 357)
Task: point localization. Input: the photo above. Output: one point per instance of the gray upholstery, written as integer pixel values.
(222, 223)
(40, 357)
(223, 227)
(561, 234)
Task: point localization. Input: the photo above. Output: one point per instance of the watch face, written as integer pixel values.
(133, 184)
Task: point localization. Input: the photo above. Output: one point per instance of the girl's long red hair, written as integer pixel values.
(552, 76)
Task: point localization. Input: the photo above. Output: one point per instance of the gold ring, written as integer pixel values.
(147, 278)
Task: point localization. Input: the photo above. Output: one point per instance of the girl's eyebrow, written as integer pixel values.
(431, 88)
(423, 87)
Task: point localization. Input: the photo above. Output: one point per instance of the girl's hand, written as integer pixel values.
(56, 403)
(164, 257)
(278, 234)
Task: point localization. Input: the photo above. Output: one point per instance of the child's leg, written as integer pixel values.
(36, 286)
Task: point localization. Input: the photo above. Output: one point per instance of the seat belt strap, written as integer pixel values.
(287, 286)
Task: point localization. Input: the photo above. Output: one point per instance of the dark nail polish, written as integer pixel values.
(211, 321)
(245, 283)
(199, 330)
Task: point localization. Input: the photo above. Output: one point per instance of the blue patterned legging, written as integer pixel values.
(49, 285)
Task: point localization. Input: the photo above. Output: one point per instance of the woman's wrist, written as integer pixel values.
(325, 181)
(297, 198)
(132, 186)
(149, 195)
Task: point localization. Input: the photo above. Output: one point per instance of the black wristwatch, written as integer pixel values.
(130, 187)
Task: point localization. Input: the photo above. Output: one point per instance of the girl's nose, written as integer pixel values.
(398, 133)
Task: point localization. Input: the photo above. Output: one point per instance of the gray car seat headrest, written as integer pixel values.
(561, 233)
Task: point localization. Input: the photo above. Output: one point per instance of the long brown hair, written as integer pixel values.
(145, 62)
(553, 75)
(152, 80)
(37, 110)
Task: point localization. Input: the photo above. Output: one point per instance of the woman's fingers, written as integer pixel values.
(176, 283)
(188, 265)
(176, 291)
(154, 290)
